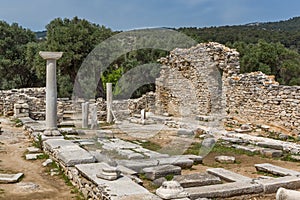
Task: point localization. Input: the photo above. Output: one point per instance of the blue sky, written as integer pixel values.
(133, 14)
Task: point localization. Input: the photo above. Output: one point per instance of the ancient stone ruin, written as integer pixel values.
(200, 97)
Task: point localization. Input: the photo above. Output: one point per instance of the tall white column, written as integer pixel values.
(51, 91)
(109, 118)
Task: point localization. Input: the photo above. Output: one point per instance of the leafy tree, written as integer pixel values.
(15, 70)
(76, 38)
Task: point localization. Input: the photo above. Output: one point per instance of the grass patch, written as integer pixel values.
(150, 145)
(194, 149)
(219, 148)
(43, 156)
(267, 174)
(169, 177)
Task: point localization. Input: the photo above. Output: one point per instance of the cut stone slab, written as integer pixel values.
(33, 150)
(233, 140)
(275, 170)
(271, 153)
(197, 180)
(47, 162)
(74, 157)
(68, 152)
(225, 159)
(139, 164)
(185, 133)
(250, 149)
(138, 196)
(224, 190)
(10, 178)
(270, 145)
(126, 171)
(295, 157)
(228, 175)
(156, 172)
(195, 158)
(32, 156)
(122, 187)
(272, 185)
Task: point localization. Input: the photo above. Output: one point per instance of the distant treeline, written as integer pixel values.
(269, 47)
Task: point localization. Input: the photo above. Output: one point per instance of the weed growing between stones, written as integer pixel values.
(38, 143)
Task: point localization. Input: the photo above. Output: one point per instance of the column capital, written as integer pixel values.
(47, 55)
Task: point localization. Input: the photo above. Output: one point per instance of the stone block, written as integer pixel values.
(185, 133)
(270, 145)
(119, 188)
(271, 153)
(73, 157)
(250, 149)
(153, 173)
(272, 185)
(224, 190)
(32, 156)
(225, 159)
(228, 175)
(197, 180)
(275, 170)
(10, 178)
(33, 150)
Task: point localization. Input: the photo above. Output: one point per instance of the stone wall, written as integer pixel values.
(192, 81)
(34, 97)
(204, 79)
(256, 97)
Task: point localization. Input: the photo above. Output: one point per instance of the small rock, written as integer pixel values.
(32, 156)
(158, 182)
(246, 127)
(33, 150)
(283, 136)
(225, 159)
(47, 162)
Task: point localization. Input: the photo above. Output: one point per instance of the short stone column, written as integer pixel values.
(109, 117)
(94, 117)
(51, 91)
(85, 114)
(285, 194)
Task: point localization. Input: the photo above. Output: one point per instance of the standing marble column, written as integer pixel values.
(109, 118)
(85, 114)
(51, 92)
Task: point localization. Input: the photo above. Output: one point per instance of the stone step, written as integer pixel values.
(156, 172)
(118, 188)
(10, 178)
(67, 152)
(227, 175)
(224, 190)
(139, 164)
(197, 180)
(273, 184)
(275, 170)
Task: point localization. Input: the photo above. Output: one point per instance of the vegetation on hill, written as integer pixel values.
(272, 48)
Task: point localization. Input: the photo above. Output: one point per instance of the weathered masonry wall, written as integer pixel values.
(192, 81)
(257, 97)
(187, 86)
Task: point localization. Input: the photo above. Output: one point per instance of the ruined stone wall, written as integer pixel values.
(192, 80)
(34, 97)
(189, 83)
(256, 97)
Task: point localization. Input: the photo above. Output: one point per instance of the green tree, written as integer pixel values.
(76, 38)
(15, 70)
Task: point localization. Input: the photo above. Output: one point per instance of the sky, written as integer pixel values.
(135, 14)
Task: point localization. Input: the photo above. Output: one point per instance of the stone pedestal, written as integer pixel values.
(109, 118)
(109, 173)
(85, 114)
(51, 91)
(171, 190)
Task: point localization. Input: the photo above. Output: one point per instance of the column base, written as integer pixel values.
(52, 133)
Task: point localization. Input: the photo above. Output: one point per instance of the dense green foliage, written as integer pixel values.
(272, 48)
